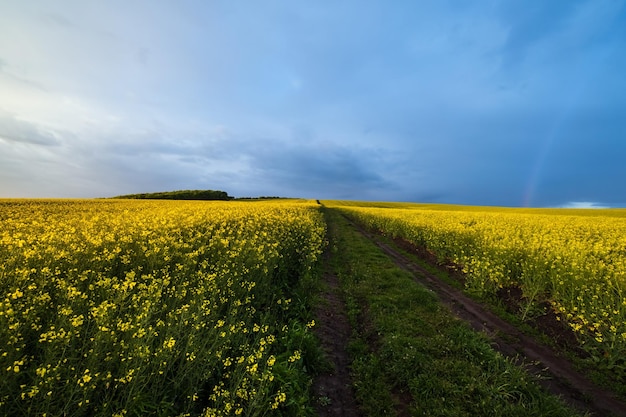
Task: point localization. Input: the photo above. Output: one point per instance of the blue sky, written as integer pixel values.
(515, 103)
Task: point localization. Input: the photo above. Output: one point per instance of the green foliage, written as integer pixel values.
(180, 195)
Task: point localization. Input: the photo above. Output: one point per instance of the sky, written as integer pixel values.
(509, 103)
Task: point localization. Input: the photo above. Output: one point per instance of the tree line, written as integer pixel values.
(181, 195)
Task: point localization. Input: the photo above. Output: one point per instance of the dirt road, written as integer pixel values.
(556, 373)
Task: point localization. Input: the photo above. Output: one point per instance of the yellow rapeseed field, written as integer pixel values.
(574, 260)
(128, 307)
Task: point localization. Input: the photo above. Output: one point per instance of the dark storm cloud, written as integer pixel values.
(326, 168)
(20, 131)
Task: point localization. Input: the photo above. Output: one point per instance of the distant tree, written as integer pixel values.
(181, 195)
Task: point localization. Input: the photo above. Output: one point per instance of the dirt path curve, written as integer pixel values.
(557, 374)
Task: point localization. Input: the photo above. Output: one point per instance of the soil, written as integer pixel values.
(333, 390)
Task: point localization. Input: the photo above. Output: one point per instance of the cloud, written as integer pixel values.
(298, 164)
(464, 102)
(584, 205)
(15, 130)
(319, 168)
(531, 24)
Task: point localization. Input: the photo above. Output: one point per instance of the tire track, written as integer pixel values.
(334, 395)
(555, 373)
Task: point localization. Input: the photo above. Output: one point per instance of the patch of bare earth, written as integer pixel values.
(555, 372)
(333, 391)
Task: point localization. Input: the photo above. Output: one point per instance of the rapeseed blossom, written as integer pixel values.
(571, 260)
(118, 306)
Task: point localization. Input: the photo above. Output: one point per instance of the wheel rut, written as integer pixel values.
(555, 373)
(333, 391)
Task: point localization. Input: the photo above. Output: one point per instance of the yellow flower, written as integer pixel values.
(169, 343)
(295, 356)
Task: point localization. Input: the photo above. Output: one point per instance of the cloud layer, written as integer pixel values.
(512, 103)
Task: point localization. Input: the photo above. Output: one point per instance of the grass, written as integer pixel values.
(597, 373)
(410, 355)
